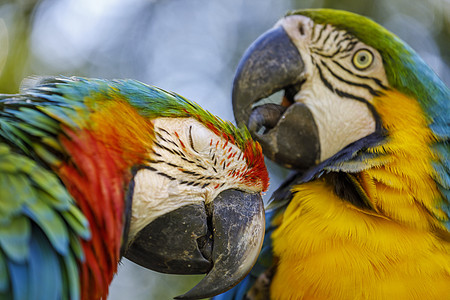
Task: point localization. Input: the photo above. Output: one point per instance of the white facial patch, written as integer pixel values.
(337, 89)
(188, 164)
(153, 196)
(339, 121)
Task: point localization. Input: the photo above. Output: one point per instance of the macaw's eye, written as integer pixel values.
(200, 137)
(362, 59)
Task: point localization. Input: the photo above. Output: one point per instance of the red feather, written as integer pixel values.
(97, 177)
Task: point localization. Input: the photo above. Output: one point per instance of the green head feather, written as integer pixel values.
(69, 101)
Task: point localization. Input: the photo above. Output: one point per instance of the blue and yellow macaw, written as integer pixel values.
(366, 125)
(92, 170)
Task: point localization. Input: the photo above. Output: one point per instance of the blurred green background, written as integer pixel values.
(191, 47)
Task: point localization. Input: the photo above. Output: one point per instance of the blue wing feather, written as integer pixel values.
(18, 273)
(44, 269)
(34, 233)
(72, 284)
(14, 238)
(51, 223)
(39, 221)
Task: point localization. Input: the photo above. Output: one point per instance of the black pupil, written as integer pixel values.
(362, 57)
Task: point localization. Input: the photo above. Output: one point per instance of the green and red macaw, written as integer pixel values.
(92, 170)
(366, 125)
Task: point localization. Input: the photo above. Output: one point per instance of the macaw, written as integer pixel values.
(92, 170)
(365, 125)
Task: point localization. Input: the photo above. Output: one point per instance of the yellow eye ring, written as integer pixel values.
(362, 59)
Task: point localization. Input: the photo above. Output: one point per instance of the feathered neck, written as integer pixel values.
(97, 180)
(404, 187)
(97, 174)
(337, 244)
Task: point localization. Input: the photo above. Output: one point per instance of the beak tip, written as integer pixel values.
(182, 242)
(239, 224)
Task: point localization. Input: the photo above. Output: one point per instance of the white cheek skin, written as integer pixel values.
(206, 149)
(204, 163)
(340, 121)
(154, 196)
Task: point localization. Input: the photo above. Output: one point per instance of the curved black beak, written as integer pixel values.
(222, 239)
(288, 133)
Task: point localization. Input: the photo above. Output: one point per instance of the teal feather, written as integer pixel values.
(14, 238)
(443, 155)
(42, 151)
(19, 280)
(12, 201)
(58, 113)
(49, 184)
(11, 133)
(44, 263)
(31, 130)
(33, 199)
(441, 170)
(77, 222)
(75, 247)
(36, 119)
(50, 222)
(71, 273)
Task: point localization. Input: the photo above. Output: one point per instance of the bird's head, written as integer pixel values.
(195, 190)
(340, 73)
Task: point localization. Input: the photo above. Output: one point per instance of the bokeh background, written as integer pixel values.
(191, 47)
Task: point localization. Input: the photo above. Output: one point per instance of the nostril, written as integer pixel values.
(301, 29)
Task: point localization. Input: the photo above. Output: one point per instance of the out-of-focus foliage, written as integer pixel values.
(191, 47)
(15, 30)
